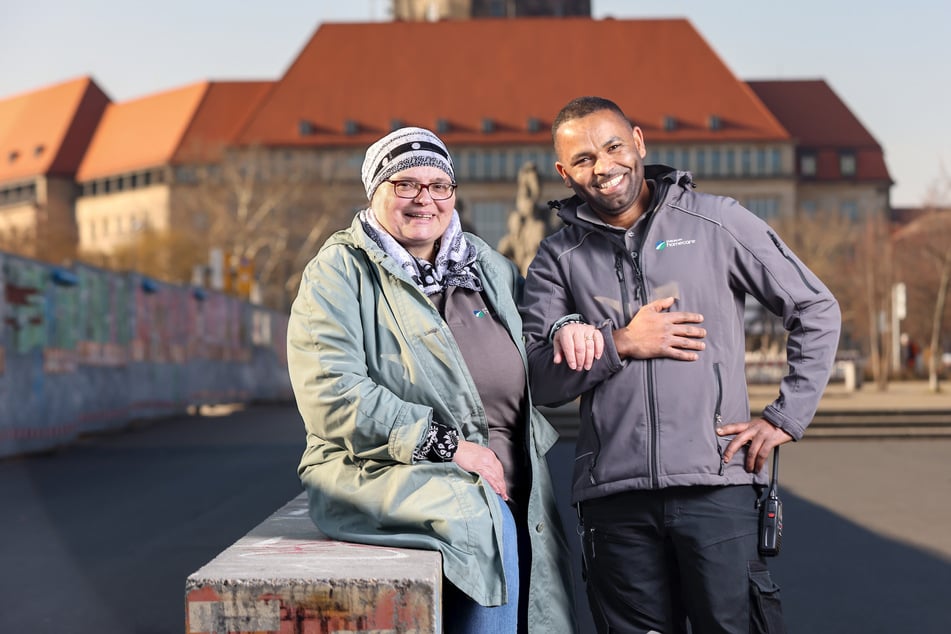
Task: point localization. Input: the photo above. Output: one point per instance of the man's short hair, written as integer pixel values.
(583, 106)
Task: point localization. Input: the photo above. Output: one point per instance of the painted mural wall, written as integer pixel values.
(85, 350)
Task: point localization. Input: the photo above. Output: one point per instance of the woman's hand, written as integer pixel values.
(578, 345)
(475, 458)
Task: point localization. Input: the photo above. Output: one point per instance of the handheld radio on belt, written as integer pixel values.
(771, 514)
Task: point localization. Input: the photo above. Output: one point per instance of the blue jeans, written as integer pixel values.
(462, 615)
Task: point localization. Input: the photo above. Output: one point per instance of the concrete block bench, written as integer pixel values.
(285, 576)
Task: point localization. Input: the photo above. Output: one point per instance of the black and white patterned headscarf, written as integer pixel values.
(454, 262)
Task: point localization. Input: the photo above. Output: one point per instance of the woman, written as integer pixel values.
(406, 358)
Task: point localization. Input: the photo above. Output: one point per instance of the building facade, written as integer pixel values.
(156, 163)
(43, 137)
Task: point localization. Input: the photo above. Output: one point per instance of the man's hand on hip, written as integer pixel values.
(761, 436)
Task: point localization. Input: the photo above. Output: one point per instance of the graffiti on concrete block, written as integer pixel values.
(23, 292)
(58, 361)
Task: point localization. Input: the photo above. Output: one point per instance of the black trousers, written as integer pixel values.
(655, 559)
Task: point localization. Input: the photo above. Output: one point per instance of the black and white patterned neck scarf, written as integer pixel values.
(454, 261)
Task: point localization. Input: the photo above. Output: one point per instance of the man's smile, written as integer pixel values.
(609, 184)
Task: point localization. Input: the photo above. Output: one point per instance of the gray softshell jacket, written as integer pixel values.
(371, 362)
(648, 424)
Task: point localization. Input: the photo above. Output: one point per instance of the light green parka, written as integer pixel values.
(371, 362)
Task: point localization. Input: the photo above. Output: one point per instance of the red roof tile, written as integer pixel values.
(821, 122)
(506, 71)
(46, 131)
(176, 126)
(224, 109)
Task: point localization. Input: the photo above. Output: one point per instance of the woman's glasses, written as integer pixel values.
(411, 189)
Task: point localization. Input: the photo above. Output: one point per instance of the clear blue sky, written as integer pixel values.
(888, 61)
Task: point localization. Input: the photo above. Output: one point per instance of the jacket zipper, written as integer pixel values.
(795, 265)
(640, 292)
(717, 415)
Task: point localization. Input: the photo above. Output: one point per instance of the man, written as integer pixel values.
(668, 466)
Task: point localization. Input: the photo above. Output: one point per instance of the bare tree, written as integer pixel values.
(925, 255)
(165, 255)
(268, 207)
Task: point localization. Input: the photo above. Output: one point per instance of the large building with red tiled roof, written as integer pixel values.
(490, 88)
(840, 167)
(143, 156)
(43, 138)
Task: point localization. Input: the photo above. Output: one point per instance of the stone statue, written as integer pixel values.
(529, 222)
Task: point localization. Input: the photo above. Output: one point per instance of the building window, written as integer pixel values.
(491, 220)
(847, 164)
(472, 165)
(670, 123)
(761, 161)
(807, 165)
(715, 162)
(518, 160)
(766, 207)
(849, 209)
(730, 160)
(777, 162)
(809, 208)
(701, 162)
(745, 162)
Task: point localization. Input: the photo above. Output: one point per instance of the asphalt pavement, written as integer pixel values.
(100, 536)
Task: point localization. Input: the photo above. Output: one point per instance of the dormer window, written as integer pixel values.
(807, 165)
(847, 164)
(670, 123)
